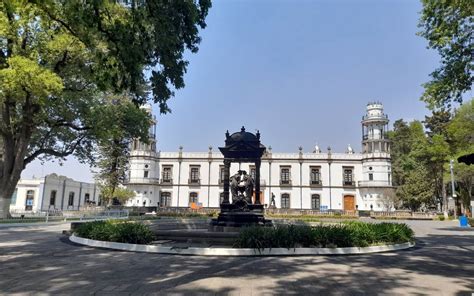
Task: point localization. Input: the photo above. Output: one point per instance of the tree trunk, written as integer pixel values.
(6, 191)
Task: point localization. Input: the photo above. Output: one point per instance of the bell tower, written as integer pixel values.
(374, 129)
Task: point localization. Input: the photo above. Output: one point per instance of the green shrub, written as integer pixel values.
(471, 221)
(441, 217)
(121, 232)
(350, 234)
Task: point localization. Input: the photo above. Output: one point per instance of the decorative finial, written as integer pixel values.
(180, 148)
(270, 148)
(210, 148)
(227, 134)
(329, 148)
(242, 129)
(258, 134)
(300, 148)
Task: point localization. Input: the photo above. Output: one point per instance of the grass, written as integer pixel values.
(349, 234)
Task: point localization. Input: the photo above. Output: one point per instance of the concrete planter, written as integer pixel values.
(239, 252)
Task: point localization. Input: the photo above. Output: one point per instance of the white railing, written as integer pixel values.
(58, 215)
(374, 183)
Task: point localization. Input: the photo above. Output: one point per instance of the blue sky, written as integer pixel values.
(300, 71)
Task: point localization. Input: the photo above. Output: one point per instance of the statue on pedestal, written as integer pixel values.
(241, 188)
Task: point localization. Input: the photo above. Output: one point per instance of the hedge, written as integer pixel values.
(350, 234)
(121, 232)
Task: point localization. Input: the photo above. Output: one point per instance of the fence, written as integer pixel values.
(403, 214)
(58, 215)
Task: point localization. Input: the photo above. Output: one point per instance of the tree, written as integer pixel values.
(460, 130)
(437, 123)
(389, 199)
(417, 189)
(58, 59)
(118, 194)
(449, 28)
(113, 151)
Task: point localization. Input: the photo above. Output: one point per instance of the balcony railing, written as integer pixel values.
(285, 182)
(166, 181)
(348, 184)
(374, 183)
(143, 180)
(316, 183)
(194, 181)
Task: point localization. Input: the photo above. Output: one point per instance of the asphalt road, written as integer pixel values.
(40, 260)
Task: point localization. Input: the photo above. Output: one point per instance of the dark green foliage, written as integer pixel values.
(121, 232)
(471, 222)
(349, 234)
(448, 27)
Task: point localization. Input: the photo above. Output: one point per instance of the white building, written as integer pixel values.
(315, 180)
(53, 192)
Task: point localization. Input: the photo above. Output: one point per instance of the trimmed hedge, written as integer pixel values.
(120, 232)
(350, 234)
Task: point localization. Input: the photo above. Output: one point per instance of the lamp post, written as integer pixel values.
(451, 166)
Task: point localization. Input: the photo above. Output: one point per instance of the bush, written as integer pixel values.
(471, 221)
(350, 234)
(121, 232)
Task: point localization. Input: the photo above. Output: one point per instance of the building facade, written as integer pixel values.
(316, 180)
(53, 192)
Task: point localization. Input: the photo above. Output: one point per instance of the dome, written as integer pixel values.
(243, 136)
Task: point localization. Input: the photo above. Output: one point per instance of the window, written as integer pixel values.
(285, 201)
(165, 199)
(348, 181)
(30, 196)
(193, 198)
(221, 174)
(145, 174)
(52, 198)
(166, 175)
(315, 176)
(13, 200)
(285, 176)
(87, 198)
(371, 177)
(194, 175)
(70, 201)
(315, 202)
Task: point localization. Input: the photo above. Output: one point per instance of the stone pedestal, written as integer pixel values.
(234, 216)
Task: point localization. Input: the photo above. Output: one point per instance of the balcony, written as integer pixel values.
(316, 183)
(374, 183)
(194, 181)
(143, 180)
(166, 181)
(348, 184)
(285, 182)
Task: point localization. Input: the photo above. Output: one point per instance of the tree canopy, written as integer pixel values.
(60, 59)
(449, 28)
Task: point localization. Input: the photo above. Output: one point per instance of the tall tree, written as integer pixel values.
(448, 25)
(113, 151)
(58, 58)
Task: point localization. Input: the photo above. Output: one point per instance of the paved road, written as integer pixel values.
(39, 260)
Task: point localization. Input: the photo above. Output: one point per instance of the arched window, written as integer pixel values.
(165, 199)
(193, 198)
(315, 202)
(285, 201)
(70, 201)
(52, 198)
(30, 196)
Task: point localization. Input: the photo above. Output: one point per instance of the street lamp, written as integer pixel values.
(451, 166)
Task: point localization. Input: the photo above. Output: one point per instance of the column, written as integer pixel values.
(226, 180)
(257, 181)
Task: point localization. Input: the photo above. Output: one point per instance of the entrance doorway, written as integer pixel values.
(349, 203)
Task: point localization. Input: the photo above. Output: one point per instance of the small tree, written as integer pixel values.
(389, 199)
(110, 194)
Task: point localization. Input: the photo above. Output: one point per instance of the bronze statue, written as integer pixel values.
(241, 187)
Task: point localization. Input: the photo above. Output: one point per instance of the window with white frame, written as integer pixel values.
(285, 201)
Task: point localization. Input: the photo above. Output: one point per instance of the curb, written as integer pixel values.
(238, 252)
